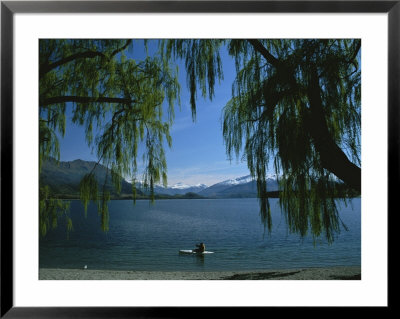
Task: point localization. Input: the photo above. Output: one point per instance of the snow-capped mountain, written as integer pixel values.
(236, 181)
(179, 189)
(244, 186)
(181, 185)
(245, 179)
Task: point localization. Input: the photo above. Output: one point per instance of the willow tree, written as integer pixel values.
(121, 104)
(295, 106)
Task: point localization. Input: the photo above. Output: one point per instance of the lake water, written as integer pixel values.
(148, 237)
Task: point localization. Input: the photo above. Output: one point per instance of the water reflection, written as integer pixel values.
(197, 259)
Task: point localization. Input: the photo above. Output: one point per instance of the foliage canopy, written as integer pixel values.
(121, 98)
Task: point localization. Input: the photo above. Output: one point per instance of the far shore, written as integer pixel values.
(320, 273)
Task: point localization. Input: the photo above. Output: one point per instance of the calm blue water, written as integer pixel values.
(148, 237)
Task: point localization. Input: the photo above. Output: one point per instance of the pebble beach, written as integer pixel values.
(324, 273)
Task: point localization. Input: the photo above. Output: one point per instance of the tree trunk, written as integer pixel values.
(332, 157)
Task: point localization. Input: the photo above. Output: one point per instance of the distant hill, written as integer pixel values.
(63, 178)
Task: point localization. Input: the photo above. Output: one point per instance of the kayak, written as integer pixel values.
(193, 252)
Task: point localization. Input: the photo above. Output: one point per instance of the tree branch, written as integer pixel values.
(87, 54)
(128, 42)
(258, 46)
(357, 49)
(84, 99)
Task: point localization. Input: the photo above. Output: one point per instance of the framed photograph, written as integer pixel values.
(165, 157)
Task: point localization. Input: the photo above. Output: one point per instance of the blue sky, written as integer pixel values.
(198, 152)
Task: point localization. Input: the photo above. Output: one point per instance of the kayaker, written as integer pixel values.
(200, 248)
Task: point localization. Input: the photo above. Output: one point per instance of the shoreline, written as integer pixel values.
(317, 273)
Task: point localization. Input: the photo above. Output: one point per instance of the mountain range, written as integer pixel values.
(179, 189)
(63, 178)
(244, 186)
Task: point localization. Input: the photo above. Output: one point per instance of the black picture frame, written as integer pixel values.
(9, 8)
